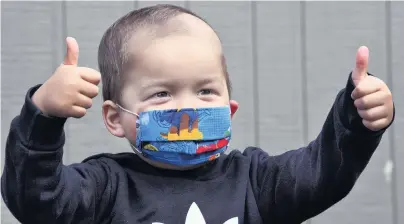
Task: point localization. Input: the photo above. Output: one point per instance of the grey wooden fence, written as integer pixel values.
(287, 61)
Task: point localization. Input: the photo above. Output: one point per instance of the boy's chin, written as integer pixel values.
(166, 166)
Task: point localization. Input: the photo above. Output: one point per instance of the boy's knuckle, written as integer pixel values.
(89, 103)
(94, 91)
(360, 89)
(388, 95)
(358, 103)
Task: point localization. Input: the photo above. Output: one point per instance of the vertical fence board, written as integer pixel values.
(334, 32)
(279, 81)
(397, 26)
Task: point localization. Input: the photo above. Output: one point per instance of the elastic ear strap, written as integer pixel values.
(134, 148)
(128, 111)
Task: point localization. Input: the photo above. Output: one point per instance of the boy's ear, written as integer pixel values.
(112, 119)
(233, 107)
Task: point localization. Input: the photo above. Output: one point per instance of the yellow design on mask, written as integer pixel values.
(150, 147)
(184, 133)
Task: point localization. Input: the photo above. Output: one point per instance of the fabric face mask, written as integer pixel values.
(182, 137)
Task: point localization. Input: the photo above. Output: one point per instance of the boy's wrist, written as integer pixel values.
(40, 130)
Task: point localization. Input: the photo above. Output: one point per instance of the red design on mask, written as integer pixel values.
(207, 148)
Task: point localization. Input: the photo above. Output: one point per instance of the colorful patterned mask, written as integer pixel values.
(183, 136)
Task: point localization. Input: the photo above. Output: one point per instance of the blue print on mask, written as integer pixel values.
(184, 136)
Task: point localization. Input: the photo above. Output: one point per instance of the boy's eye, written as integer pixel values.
(206, 92)
(161, 94)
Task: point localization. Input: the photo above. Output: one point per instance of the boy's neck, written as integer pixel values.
(168, 166)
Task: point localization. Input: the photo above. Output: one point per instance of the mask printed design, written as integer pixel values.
(184, 136)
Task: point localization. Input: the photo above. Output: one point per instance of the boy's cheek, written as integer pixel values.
(129, 127)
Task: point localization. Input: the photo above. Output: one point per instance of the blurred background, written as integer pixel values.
(287, 62)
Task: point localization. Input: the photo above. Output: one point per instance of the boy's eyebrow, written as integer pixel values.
(168, 83)
(207, 80)
(153, 83)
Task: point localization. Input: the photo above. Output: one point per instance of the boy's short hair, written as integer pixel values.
(111, 56)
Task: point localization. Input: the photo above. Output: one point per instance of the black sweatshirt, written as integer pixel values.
(242, 187)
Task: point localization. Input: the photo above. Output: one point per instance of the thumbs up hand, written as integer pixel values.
(371, 96)
(69, 91)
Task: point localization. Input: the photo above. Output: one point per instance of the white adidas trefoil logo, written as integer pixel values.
(195, 216)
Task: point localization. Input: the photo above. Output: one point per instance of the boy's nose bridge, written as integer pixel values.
(187, 102)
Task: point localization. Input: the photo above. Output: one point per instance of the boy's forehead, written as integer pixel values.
(177, 56)
(181, 25)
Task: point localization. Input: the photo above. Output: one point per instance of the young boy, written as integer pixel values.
(166, 90)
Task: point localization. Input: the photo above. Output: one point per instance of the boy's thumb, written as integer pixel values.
(72, 52)
(361, 68)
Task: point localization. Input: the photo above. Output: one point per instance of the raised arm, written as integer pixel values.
(35, 185)
(302, 183)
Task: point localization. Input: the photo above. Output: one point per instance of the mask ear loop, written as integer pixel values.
(133, 113)
(126, 110)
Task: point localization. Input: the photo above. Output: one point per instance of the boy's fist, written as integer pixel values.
(69, 91)
(372, 97)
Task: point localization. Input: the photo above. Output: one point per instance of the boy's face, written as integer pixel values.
(181, 70)
(176, 72)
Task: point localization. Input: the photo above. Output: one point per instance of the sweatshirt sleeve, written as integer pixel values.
(36, 186)
(302, 183)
